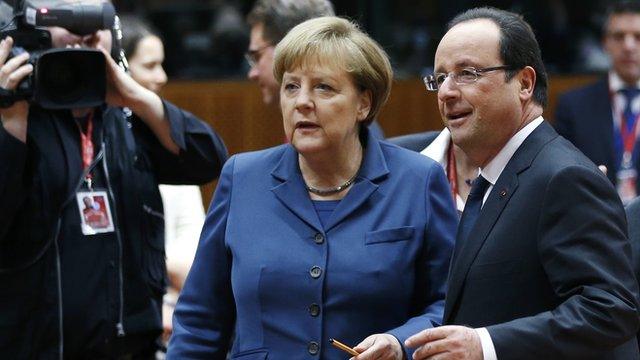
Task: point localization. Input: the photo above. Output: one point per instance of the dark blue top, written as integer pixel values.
(324, 209)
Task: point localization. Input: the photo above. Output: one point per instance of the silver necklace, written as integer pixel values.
(334, 190)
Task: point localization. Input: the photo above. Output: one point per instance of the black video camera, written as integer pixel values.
(62, 78)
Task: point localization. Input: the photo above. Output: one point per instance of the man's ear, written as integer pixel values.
(527, 79)
(364, 105)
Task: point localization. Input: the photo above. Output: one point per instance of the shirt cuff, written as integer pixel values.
(488, 351)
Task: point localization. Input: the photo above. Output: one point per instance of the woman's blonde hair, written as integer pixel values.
(337, 42)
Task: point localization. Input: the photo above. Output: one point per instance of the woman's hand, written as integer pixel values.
(12, 71)
(381, 347)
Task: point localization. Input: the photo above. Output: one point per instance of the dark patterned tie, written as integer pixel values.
(471, 210)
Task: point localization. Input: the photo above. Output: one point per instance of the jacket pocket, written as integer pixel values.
(257, 354)
(389, 235)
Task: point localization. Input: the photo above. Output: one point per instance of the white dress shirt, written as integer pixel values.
(491, 172)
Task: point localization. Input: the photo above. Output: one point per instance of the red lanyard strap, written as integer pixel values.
(452, 172)
(86, 143)
(628, 136)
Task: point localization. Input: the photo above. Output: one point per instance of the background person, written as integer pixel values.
(601, 119)
(270, 20)
(68, 294)
(183, 210)
(533, 275)
(438, 146)
(333, 235)
(458, 167)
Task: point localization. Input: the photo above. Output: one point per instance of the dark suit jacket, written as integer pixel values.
(416, 142)
(633, 218)
(584, 117)
(547, 267)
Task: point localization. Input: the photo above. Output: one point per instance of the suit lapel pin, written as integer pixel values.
(503, 193)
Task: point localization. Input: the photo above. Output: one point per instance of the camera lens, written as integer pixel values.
(61, 79)
(69, 78)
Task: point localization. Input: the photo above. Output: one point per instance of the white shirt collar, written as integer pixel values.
(437, 150)
(616, 84)
(494, 168)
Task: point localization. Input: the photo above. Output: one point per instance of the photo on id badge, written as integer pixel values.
(95, 214)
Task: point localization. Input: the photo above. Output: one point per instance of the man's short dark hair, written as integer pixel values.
(280, 16)
(518, 45)
(619, 8)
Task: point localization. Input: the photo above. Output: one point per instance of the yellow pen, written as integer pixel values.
(343, 347)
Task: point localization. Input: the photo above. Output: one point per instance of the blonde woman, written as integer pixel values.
(333, 235)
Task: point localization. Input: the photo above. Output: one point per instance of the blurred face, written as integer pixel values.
(622, 43)
(145, 65)
(321, 108)
(483, 115)
(261, 53)
(88, 202)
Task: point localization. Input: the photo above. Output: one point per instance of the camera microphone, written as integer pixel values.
(80, 19)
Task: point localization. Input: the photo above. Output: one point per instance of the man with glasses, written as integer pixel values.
(541, 267)
(601, 119)
(270, 21)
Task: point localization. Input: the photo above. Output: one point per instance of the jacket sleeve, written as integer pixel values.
(202, 152)
(564, 118)
(205, 312)
(633, 218)
(433, 265)
(13, 170)
(585, 254)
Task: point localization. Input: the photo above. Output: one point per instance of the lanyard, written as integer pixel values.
(628, 136)
(452, 173)
(86, 146)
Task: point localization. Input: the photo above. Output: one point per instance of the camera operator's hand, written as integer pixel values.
(123, 91)
(12, 71)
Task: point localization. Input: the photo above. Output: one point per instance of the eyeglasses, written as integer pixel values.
(464, 76)
(253, 56)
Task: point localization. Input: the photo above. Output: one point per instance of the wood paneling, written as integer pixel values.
(236, 112)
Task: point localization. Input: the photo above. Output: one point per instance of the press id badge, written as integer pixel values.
(95, 213)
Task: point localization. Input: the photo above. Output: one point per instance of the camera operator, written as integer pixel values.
(73, 287)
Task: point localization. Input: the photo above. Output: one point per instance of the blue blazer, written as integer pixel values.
(267, 269)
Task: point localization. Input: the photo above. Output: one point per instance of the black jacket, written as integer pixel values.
(584, 117)
(35, 185)
(546, 267)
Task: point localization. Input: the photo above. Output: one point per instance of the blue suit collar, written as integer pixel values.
(374, 165)
(293, 193)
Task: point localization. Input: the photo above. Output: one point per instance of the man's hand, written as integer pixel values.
(379, 346)
(14, 118)
(122, 90)
(446, 343)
